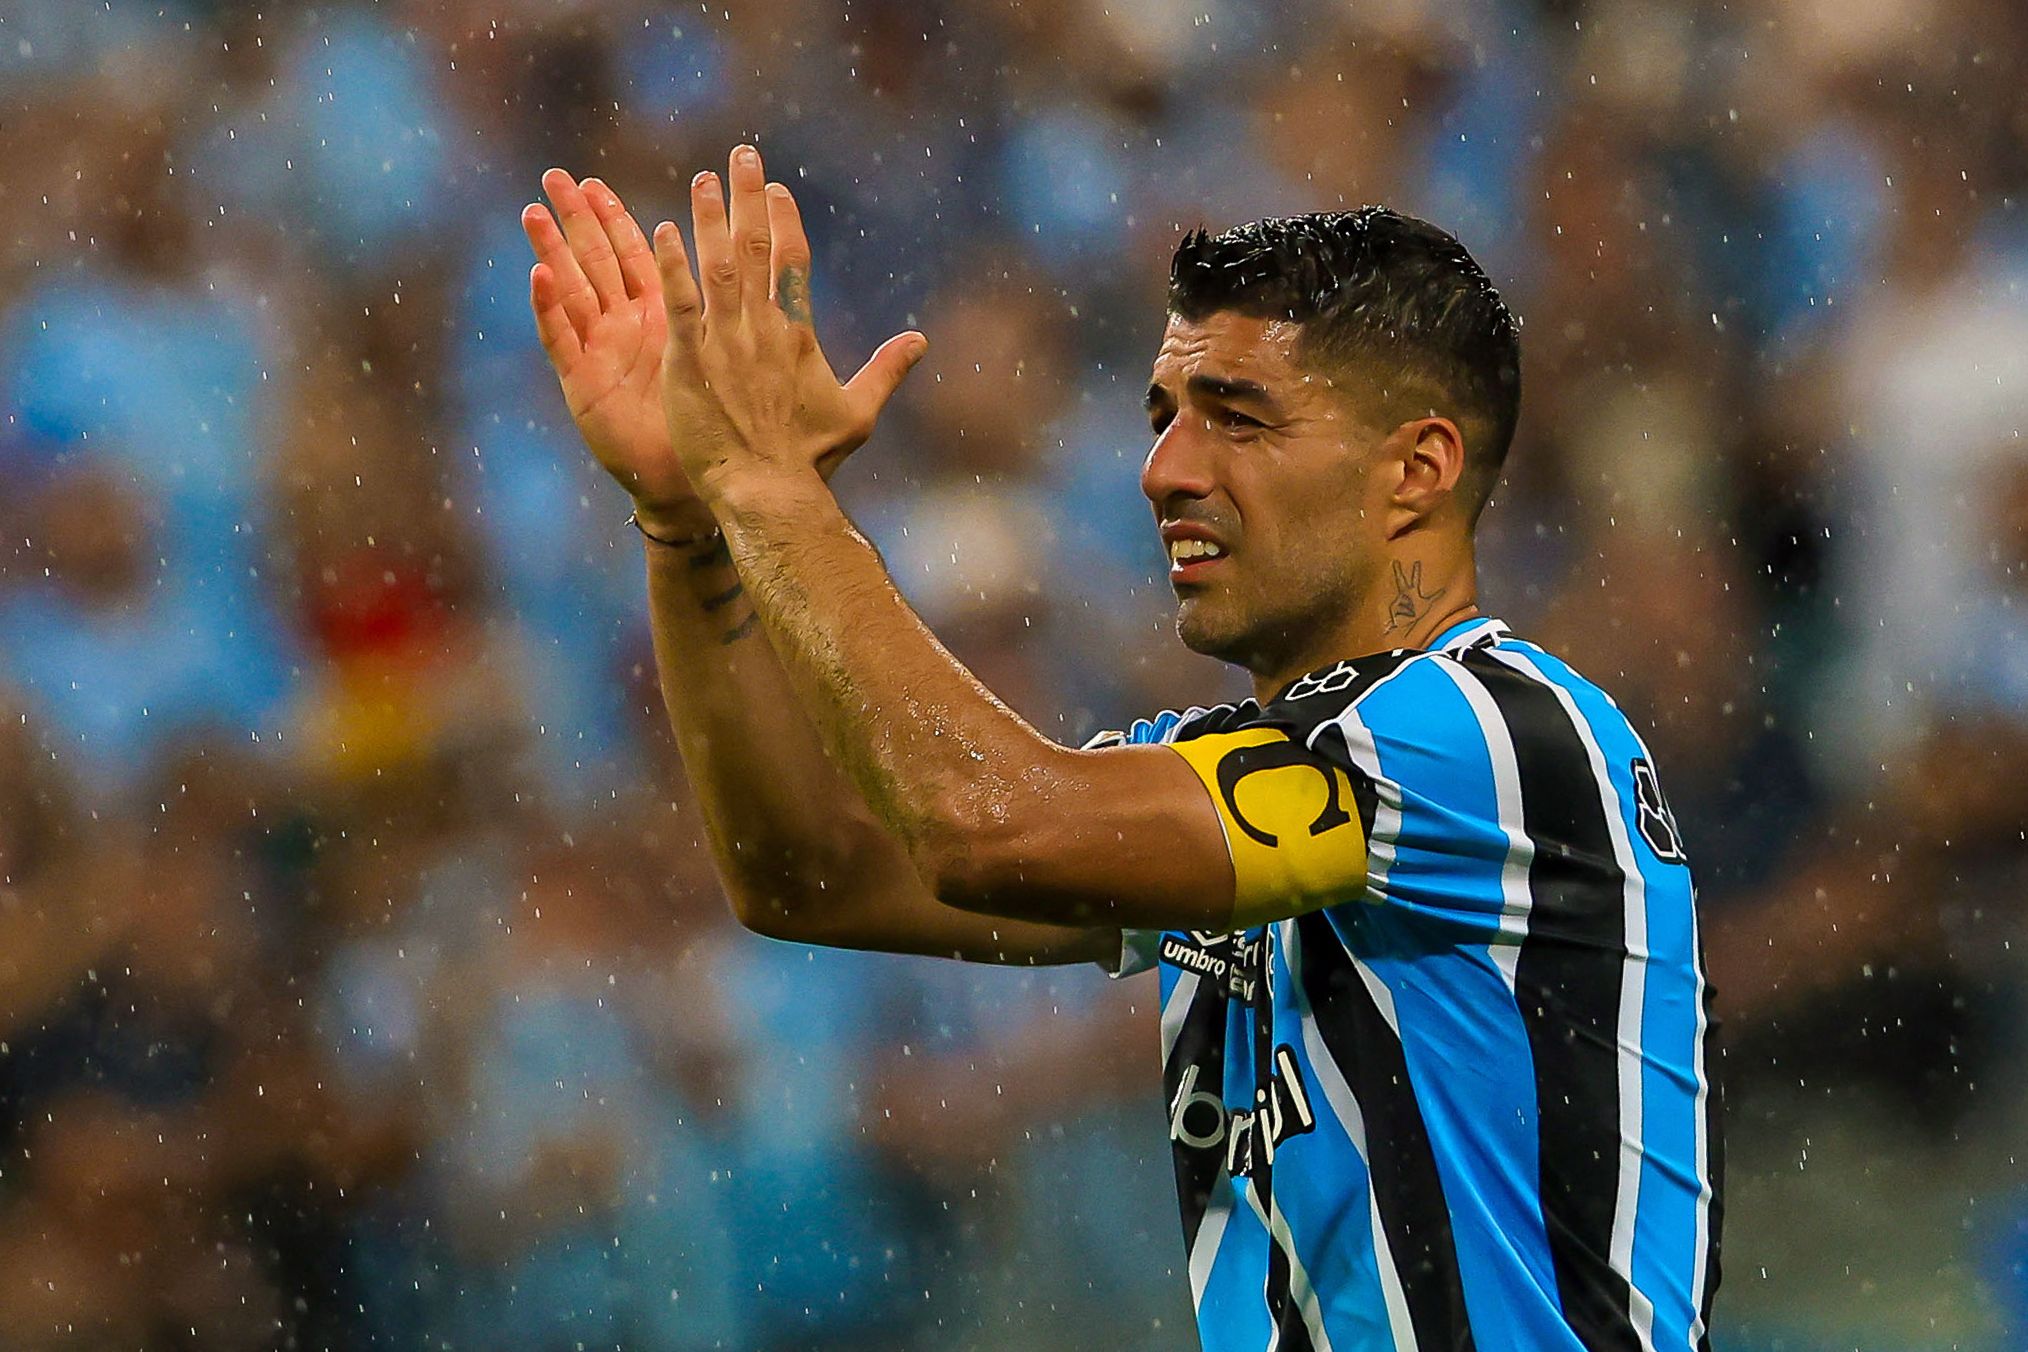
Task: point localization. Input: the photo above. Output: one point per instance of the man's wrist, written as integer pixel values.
(734, 491)
(678, 522)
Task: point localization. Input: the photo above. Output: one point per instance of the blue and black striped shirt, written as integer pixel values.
(1471, 1104)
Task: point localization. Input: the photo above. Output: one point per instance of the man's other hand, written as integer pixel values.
(598, 309)
(745, 386)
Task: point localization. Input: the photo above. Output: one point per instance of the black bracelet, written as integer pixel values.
(709, 537)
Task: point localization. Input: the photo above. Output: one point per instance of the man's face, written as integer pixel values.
(1264, 487)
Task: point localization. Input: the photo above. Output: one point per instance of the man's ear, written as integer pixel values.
(1432, 455)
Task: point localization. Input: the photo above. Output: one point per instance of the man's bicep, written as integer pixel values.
(1221, 831)
(915, 922)
(884, 906)
(1121, 838)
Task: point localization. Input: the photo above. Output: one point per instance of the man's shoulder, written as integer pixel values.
(1517, 674)
(1327, 694)
(1443, 702)
(1425, 698)
(1307, 704)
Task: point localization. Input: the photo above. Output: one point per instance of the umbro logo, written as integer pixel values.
(1231, 960)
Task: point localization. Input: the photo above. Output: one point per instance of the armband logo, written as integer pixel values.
(1243, 761)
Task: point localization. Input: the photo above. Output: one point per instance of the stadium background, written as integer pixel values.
(360, 974)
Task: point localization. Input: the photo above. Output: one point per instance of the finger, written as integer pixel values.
(579, 301)
(791, 262)
(552, 322)
(749, 206)
(680, 300)
(623, 232)
(717, 273)
(587, 238)
(884, 371)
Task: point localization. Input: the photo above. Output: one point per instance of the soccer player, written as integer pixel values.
(1433, 1018)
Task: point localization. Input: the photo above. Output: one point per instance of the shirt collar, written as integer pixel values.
(1478, 631)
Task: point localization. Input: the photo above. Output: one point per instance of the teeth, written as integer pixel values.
(1183, 551)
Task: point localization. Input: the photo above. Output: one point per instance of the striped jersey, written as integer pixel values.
(1464, 1100)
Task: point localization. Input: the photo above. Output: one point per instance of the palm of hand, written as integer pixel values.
(614, 389)
(599, 312)
(627, 333)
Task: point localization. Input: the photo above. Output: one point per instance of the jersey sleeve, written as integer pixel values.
(1136, 955)
(1137, 947)
(1375, 781)
(1437, 773)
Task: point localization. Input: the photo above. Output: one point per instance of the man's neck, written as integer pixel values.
(1415, 601)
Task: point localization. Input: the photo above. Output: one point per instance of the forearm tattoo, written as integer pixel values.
(731, 600)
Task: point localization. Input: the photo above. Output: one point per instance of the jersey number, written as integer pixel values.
(1658, 823)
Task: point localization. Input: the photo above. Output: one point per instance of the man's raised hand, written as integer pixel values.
(598, 310)
(745, 385)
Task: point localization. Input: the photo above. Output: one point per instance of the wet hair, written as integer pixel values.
(1389, 299)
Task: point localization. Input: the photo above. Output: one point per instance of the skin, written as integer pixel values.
(800, 855)
(904, 807)
(1342, 539)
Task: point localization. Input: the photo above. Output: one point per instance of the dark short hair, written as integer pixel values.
(1391, 298)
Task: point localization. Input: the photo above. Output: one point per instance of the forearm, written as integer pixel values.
(995, 818)
(936, 757)
(800, 855)
(777, 813)
(742, 385)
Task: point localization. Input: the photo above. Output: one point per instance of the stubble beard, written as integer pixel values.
(1223, 628)
(1266, 638)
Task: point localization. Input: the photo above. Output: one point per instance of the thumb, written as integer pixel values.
(887, 368)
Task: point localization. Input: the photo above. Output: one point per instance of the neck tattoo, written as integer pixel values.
(1410, 602)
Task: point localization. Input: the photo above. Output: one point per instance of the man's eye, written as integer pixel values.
(1160, 422)
(1234, 418)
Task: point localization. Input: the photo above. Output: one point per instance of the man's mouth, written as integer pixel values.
(1190, 558)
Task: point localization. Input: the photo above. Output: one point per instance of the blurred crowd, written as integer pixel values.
(363, 981)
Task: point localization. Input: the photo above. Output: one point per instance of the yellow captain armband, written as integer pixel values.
(1291, 822)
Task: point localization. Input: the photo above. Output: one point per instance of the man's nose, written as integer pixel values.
(1179, 464)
